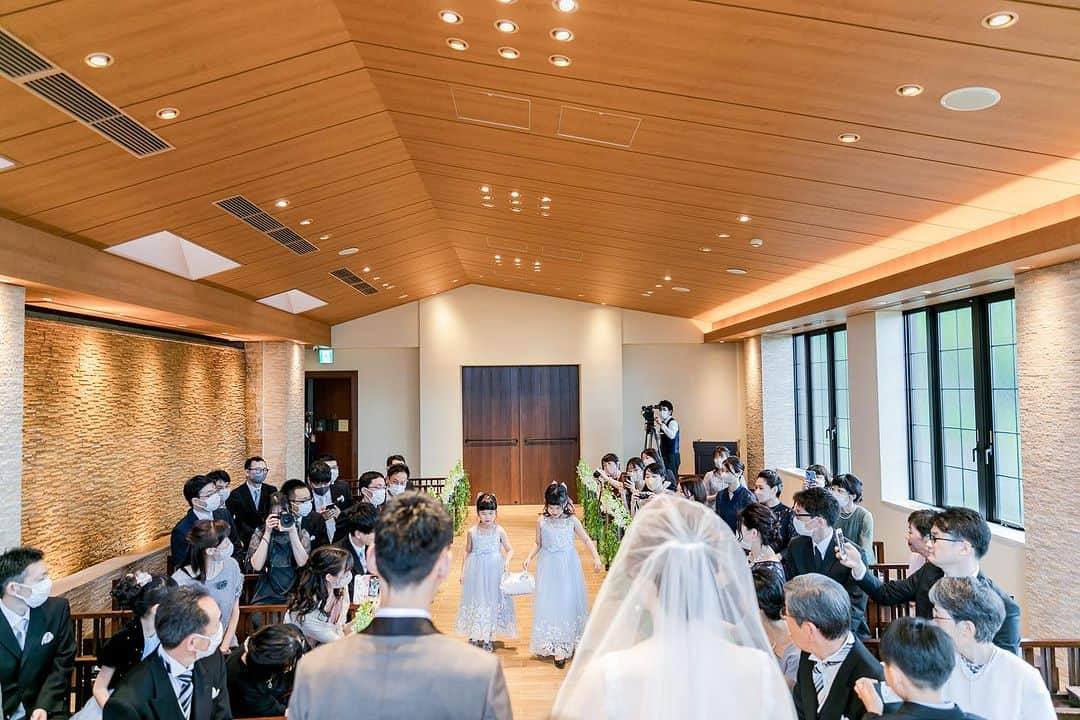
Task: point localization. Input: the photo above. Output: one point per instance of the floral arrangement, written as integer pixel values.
(589, 500)
(604, 516)
(456, 495)
(365, 613)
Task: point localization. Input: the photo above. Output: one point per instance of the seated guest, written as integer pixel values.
(186, 677)
(822, 476)
(959, 539)
(394, 460)
(769, 586)
(918, 658)
(987, 680)
(814, 551)
(759, 536)
(713, 483)
(204, 503)
(261, 677)
(694, 489)
(335, 469)
(767, 489)
(330, 501)
(340, 491)
(319, 605)
(649, 456)
(277, 552)
(140, 594)
(222, 481)
(211, 566)
(250, 504)
(855, 521)
(734, 495)
(818, 615)
(359, 526)
(918, 537)
(37, 646)
(397, 479)
(372, 488)
(412, 556)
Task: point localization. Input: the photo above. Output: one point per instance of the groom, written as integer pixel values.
(401, 667)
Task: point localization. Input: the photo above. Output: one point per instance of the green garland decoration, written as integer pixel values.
(456, 495)
(603, 514)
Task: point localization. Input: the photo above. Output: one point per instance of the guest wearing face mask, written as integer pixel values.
(373, 488)
(735, 495)
(222, 481)
(37, 647)
(325, 494)
(280, 548)
(320, 604)
(650, 456)
(261, 677)
(339, 489)
(767, 490)
(654, 484)
(713, 484)
(250, 503)
(855, 521)
(393, 460)
(204, 503)
(186, 677)
(359, 526)
(759, 535)
(635, 482)
(397, 479)
(211, 566)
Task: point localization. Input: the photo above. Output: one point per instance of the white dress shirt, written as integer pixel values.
(361, 552)
(20, 625)
(829, 672)
(175, 668)
(321, 501)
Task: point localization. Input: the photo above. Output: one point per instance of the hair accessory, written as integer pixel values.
(143, 578)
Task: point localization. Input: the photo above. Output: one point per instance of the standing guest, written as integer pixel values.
(277, 552)
(211, 565)
(734, 496)
(635, 482)
(855, 521)
(341, 488)
(485, 612)
(186, 677)
(694, 489)
(919, 525)
(759, 536)
(769, 586)
(650, 456)
(987, 680)
(372, 486)
(609, 472)
(918, 659)
(712, 478)
(250, 504)
(822, 476)
(37, 647)
(222, 481)
(814, 551)
(359, 526)
(959, 538)
(767, 490)
(319, 605)
(395, 460)
(397, 479)
(204, 503)
(412, 556)
(561, 606)
(818, 616)
(261, 677)
(654, 485)
(330, 501)
(669, 436)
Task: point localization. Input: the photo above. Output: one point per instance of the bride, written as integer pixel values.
(675, 631)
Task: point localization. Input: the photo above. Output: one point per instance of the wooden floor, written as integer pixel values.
(533, 682)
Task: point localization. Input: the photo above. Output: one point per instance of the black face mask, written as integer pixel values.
(320, 490)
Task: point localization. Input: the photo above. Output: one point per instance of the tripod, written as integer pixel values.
(652, 439)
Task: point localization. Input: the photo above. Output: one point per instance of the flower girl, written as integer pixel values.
(485, 611)
(561, 606)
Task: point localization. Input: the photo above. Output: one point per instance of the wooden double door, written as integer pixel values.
(521, 429)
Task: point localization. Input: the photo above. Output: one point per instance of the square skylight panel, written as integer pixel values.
(170, 252)
(293, 301)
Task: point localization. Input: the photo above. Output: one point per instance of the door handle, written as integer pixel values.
(549, 441)
(492, 443)
(988, 453)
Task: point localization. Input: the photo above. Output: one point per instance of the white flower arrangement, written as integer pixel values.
(613, 507)
(456, 475)
(587, 480)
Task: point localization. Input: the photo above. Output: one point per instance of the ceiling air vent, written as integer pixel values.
(353, 280)
(242, 208)
(25, 67)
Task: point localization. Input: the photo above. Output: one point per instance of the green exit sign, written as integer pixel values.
(326, 356)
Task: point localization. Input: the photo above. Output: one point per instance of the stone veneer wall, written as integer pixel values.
(770, 403)
(12, 298)
(114, 423)
(1048, 371)
(275, 408)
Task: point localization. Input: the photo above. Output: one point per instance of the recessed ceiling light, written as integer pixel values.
(756, 242)
(456, 280)
(722, 235)
(325, 236)
(736, 271)
(349, 251)
(517, 260)
(46, 299)
(545, 207)
(658, 285)
(99, 60)
(390, 286)
(545, 214)
(667, 278)
(849, 137)
(509, 53)
(488, 204)
(744, 218)
(515, 202)
(515, 209)
(566, 6)
(999, 20)
(514, 194)
(281, 203)
(6, 163)
(485, 188)
(545, 199)
(386, 285)
(498, 257)
(559, 60)
(168, 113)
(507, 2)
(681, 289)
(457, 44)
(909, 90)
(376, 278)
(562, 34)
(646, 294)
(704, 248)
(366, 269)
(449, 16)
(506, 26)
(486, 197)
(305, 221)
(403, 296)
(970, 99)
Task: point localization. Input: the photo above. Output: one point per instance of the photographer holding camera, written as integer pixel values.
(280, 548)
(669, 436)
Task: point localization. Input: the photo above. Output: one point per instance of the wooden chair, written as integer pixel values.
(91, 630)
(879, 552)
(253, 617)
(1042, 655)
(879, 616)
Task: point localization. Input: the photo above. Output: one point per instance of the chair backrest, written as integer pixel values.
(879, 616)
(879, 552)
(1042, 654)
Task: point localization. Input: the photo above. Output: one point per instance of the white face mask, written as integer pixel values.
(303, 509)
(215, 642)
(224, 493)
(344, 581)
(212, 503)
(224, 550)
(39, 592)
(745, 543)
(395, 489)
(654, 482)
(800, 527)
(333, 474)
(378, 496)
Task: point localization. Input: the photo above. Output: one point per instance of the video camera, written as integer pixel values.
(648, 413)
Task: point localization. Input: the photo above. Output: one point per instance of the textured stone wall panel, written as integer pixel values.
(755, 424)
(114, 424)
(12, 300)
(275, 401)
(777, 400)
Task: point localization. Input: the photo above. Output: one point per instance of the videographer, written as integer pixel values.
(280, 548)
(669, 437)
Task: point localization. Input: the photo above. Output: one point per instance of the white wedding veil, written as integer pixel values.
(675, 631)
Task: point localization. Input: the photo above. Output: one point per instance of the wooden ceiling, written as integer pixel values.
(675, 117)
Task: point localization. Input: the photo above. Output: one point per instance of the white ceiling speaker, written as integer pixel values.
(970, 99)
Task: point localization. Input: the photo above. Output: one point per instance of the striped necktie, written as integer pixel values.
(184, 694)
(820, 666)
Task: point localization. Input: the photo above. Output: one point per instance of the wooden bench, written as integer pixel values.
(1043, 656)
(879, 616)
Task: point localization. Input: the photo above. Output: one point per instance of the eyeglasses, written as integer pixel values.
(940, 538)
(941, 618)
(802, 515)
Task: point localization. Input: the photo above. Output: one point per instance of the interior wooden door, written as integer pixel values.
(550, 443)
(490, 420)
(332, 401)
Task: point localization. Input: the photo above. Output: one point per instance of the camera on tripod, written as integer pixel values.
(648, 413)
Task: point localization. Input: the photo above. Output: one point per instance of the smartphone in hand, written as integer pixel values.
(811, 480)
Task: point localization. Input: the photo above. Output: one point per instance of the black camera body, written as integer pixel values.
(286, 520)
(648, 413)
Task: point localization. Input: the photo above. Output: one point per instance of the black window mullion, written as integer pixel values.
(934, 366)
(830, 358)
(980, 336)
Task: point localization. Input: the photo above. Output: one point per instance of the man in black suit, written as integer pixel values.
(818, 615)
(204, 503)
(959, 538)
(918, 658)
(185, 678)
(250, 504)
(331, 498)
(814, 550)
(358, 525)
(37, 646)
(341, 492)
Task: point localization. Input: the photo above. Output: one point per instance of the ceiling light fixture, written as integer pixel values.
(545, 199)
(1024, 267)
(449, 16)
(756, 242)
(507, 2)
(545, 207)
(562, 35)
(681, 289)
(488, 204)
(970, 99)
(517, 260)
(457, 44)
(402, 296)
(498, 257)
(486, 197)
(325, 236)
(744, 218)
(386, 285)
(849, 137)
(168, 113)
(376, 278)
(349, 251)
(883, 302)
(560, 61)
(515, 202)
(5, 163)
(736, 271)
(366, 269)
(515, 209)
(545, 214)
(927, 292)
(999, 20)
(506, 26)
(910, 90)
(514, 194)
(305, 221)
(647, 294)
(509, 53)
(485, 188)
(46, 299)
(658, 285)
(722, 235)
(99, 60)
(282, 203)
(705, 249)
(566, 6)
(667, 278)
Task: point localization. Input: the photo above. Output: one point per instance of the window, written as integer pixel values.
(963, 409)
(822, 418)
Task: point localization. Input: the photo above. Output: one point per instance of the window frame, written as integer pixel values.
(805, 384)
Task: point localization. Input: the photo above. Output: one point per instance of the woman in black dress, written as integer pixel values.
(261, 677)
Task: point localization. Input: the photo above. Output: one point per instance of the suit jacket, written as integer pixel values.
(146, 692)
(316, 527)
(916, 588)
(910, 711)
(359, 563)
(247, 516)
(841, 700)
(178, 544)
(800, 559)
(459, 682)
(37, 676)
